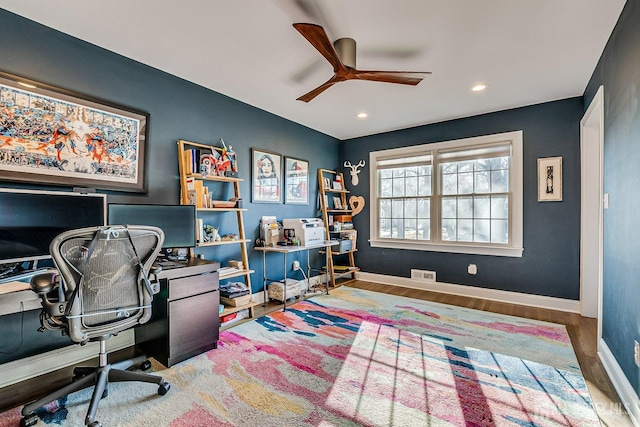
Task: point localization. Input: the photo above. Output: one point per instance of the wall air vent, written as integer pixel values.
(423, 275)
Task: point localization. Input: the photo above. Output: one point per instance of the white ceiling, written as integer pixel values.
(527, 51)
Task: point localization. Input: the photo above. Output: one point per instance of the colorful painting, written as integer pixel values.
(296, 181)
(49, 136)
(266, 176)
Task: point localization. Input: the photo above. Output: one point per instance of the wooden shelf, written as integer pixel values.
(229, 310)
(221, 209)
(327, 204)
(214, 178)
(222, 242)
(235, 274)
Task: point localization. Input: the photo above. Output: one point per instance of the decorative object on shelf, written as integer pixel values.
(357, 204)
(229, 156)
(210, 234)
(265, 176)
(55, 136)
(550, 179)
(296, 181)
(354, 171)
(337, 203)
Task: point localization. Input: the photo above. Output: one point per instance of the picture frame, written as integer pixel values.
(53, 136)
(296, 181)
(337, 203)
(327, 183)
(550, 179)
(337, 185)
(265, 176)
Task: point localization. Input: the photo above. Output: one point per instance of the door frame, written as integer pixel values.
(592, 208)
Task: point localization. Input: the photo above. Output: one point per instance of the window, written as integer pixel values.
(460, 196)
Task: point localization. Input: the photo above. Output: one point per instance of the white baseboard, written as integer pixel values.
(33, 366)
(625, 390)
(475, 292)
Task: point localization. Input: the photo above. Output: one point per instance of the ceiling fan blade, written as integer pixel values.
(317, 91)
(316, 35)
(401, 77)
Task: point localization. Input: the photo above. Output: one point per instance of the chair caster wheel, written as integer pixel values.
(95, 424)
(163, 388)
(145, 366)
(29, 420)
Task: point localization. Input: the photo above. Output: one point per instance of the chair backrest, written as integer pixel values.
(105, 277)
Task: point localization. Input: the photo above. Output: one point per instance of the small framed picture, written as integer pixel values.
(337, 203)
(327, 183)
(296, 176)
(265, 176)
(550, 179)
(337, 185)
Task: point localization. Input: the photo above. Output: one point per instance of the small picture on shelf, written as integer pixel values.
(327, 183)
(337, 185)
(337, 203)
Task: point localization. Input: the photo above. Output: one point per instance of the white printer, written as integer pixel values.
(310, 231)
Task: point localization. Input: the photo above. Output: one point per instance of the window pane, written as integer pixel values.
(465, 166)
(398, 187)
(465, 207)
(449, 167)
(385, 188)
(499, 207)
(449, 207)
(481, 230)
(385, 228)
(424, 229)
(424, 186)
(465, 183)
(499, 231)
(385, 173)
(450, 184)
(500, 163)
(385, 208)
(481, 207)
(410, 208)
(410, 229)
(398, 173)
(424, 208)
(465, 230)
(397, 228)
(500, 181)
(449, 229)
(411, 188)
(397, 210)
(482, 182)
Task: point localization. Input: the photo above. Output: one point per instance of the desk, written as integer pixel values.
(284, 250)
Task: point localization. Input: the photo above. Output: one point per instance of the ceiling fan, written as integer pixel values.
(343, 60)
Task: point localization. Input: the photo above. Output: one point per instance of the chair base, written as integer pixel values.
(99, 377)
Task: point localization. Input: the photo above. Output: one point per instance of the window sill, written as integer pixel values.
(443, 247)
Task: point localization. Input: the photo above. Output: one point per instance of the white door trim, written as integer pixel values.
(592, 194)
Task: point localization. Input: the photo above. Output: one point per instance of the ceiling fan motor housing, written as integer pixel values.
(346, 50)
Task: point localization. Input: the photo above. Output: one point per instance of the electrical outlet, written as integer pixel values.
(295, 266)
(636, 353)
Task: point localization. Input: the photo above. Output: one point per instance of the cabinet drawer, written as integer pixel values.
(193, 327)
(192, 285)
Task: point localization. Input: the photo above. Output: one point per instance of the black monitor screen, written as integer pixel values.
(177, 221)
(29, 220)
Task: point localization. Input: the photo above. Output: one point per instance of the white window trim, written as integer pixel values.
(514, 249)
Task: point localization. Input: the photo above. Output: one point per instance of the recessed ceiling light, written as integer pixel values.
(362, 115)
(479, 87)
(26, 85)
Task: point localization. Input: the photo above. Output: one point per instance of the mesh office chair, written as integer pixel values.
(102, 288)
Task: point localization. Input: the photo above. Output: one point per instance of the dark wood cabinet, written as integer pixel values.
(185, 319)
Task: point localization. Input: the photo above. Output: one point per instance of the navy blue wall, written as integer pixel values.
(619, 72)
(178, 110)
(550, 262)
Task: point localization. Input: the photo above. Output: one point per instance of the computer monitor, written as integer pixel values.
(177, 221)
(31, 219)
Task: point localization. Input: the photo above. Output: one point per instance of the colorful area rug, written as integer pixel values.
(354, 358)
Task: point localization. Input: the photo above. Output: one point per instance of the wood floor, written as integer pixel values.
(582, 331)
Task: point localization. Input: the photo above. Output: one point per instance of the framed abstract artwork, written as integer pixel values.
(54, 136)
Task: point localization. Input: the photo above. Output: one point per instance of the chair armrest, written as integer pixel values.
(44, 283)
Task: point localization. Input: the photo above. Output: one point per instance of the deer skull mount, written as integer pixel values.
(354, 171)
